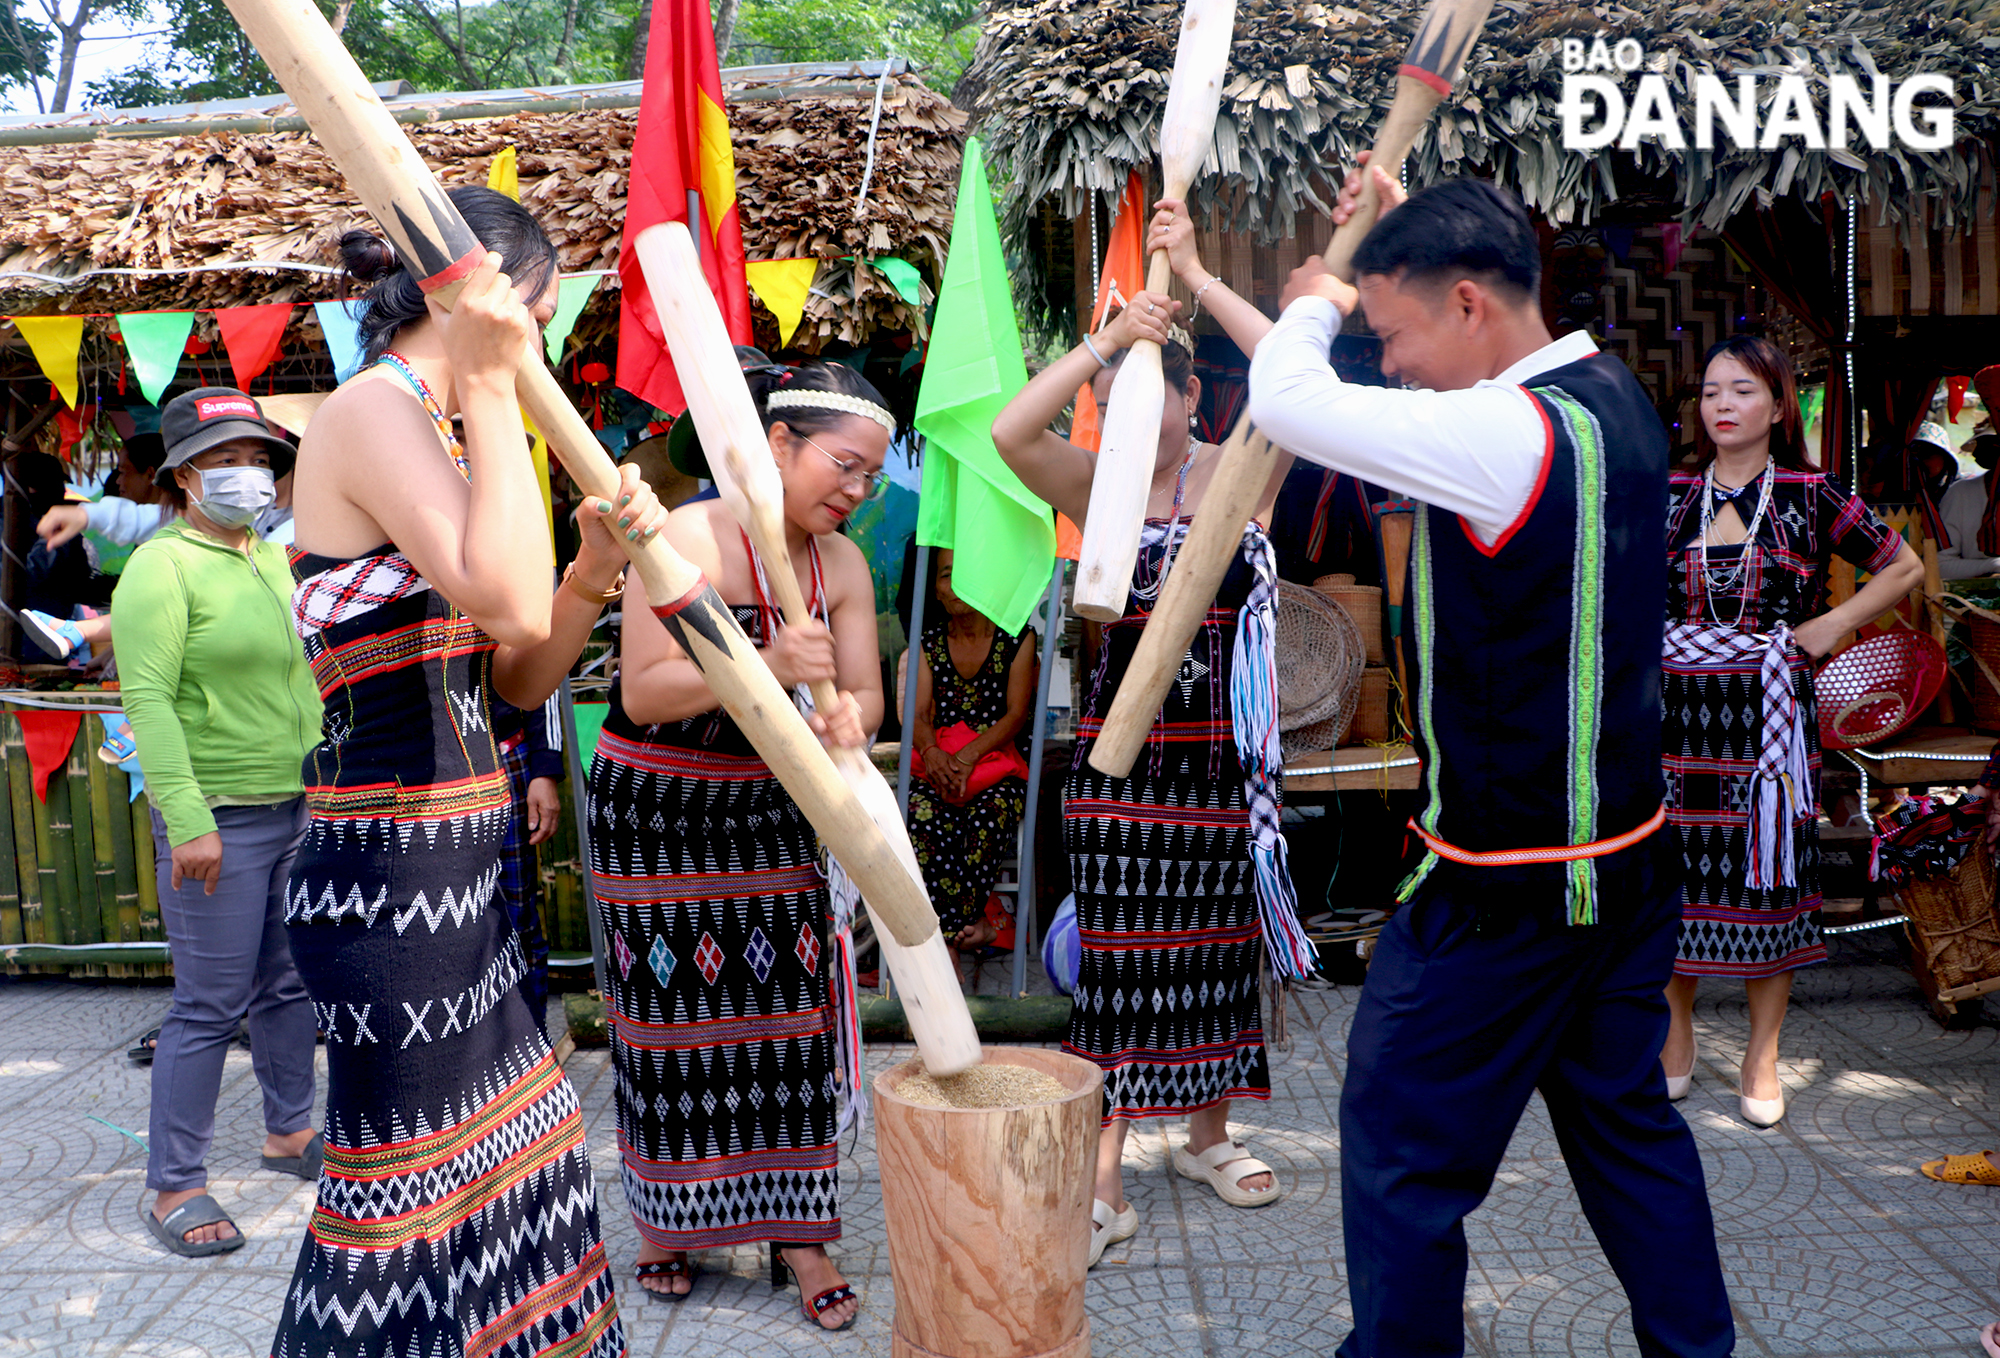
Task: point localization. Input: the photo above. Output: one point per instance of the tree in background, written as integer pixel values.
(200, 54)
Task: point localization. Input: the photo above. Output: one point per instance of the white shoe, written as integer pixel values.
(1764, 1112)
(1108, 1227)
(1678, 1085)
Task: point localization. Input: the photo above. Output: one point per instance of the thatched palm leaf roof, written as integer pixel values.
(224, 199)
(1070, 92)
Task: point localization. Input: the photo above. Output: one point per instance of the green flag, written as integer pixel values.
(571, 294)
(1003, 537)
(155, 339)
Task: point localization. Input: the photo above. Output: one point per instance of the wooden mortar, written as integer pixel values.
(988, 1215)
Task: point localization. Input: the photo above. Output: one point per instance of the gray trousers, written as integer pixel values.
(231, 958)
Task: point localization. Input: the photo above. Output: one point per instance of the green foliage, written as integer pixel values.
(24, 46)
(502, 44)
(433, 44)
(937, 36)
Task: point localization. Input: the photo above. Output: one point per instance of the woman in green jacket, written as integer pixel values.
(223, 708)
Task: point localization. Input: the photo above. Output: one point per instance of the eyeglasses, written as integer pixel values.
(869, 485)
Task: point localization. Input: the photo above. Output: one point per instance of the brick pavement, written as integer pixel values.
(1834, 1244)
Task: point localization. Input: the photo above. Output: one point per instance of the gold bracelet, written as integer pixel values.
(589, 595)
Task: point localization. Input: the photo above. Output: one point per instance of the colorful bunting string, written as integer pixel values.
(571, 294)
(340, 322)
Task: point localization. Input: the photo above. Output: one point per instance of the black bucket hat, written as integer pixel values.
(196, 421)
(684, 448)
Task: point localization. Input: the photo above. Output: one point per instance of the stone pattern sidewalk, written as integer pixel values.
(1834, 1244)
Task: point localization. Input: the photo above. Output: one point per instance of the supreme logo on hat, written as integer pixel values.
(226, 407)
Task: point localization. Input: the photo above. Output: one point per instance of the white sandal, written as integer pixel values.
(1223, 1167)
(1108, 1227)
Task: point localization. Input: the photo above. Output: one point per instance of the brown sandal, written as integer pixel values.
(1963, 1169)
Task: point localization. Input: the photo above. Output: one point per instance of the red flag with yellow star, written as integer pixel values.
(682, 171)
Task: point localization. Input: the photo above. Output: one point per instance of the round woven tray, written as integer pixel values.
(1320, 658)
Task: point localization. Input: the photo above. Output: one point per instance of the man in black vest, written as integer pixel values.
(1539, 930)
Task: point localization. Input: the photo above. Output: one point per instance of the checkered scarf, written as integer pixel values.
(1781, 791)
(1253, 719)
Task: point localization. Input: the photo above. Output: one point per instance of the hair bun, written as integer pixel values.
(366, 256)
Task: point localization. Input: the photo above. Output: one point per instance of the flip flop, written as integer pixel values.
(1963, 1169)
(195, 1212)
(666, 1268)
(305, 1165)
(1223, 1167)
(142, 1051)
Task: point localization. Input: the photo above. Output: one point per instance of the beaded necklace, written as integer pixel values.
(1730, 579)
(1151, 588)
(409, 374)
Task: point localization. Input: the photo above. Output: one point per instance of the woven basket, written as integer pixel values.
(1877, 687)
(1319, 670)
(1363, 604)
(1953, 933)
(1371, 713)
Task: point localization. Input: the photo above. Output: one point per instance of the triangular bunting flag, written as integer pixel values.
(505, 176)
(55, 342)
(539, 454)
(48, 737)
(571, 294)
(909, 283)
(342, 328)
(782, 285)
(252, 335)
(156, 341)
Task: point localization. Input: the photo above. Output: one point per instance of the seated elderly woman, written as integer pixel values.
(975, 692)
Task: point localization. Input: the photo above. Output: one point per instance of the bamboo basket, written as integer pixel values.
(1954, 936)
(1372, 714)
(1363, 604)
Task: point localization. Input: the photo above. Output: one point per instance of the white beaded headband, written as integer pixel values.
(833, 400)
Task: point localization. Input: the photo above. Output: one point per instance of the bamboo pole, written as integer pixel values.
(58, 861)
(144, 854)
(124, 855)
(21, 800)
(10, 884)
(103, 857)
(83, 841)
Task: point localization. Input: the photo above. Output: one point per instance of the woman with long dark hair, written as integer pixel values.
(1750, 532)
(723, 986)
(457, 1212)
(1179, 868)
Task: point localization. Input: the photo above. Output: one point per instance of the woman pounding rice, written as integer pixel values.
(707, 881)
(457, 1212)
(1169, 863)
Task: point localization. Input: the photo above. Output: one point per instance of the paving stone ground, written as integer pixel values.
(1834, 1244)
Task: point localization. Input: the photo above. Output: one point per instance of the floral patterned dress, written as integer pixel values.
(961, 848)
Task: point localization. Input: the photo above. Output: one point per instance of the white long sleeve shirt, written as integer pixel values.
(116, 519)
(1963, 508)
(1477, 452)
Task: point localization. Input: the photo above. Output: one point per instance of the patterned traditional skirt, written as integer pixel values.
(714, 915)
(1714, 728)
(457, 1213)
(1166, 996)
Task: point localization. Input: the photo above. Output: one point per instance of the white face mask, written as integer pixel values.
(233, 497)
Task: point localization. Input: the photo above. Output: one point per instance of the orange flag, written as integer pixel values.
(683, 170)
(1123, 277)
